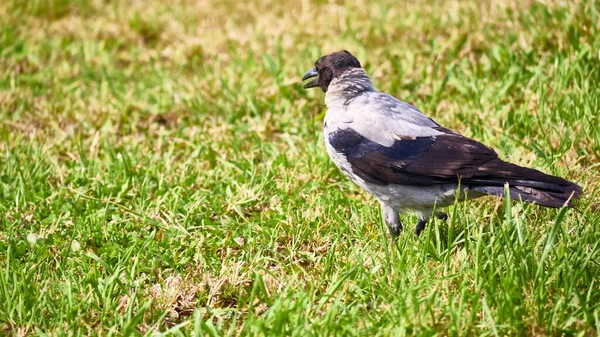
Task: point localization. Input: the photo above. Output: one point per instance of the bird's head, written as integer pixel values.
(329, 67)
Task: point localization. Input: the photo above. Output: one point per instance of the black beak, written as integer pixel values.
(310, 74)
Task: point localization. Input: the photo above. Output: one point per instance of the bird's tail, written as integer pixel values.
(524, 183)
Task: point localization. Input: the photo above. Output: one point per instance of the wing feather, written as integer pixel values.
(419, 161)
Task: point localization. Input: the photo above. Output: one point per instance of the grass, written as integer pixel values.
(162, 172)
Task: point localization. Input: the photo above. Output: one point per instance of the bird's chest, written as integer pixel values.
(339, 159)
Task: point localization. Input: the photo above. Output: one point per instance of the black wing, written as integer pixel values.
(447, 158)
(420, 161)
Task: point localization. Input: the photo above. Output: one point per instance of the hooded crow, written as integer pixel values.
(409, 162)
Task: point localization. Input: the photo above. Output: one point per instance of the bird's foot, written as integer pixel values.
(423, 221)
(392, 220)
(420, 226)
(441, 215)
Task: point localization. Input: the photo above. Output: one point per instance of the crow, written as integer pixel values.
(406, 160)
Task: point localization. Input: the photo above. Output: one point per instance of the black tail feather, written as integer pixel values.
(524, 183)
(532, 195)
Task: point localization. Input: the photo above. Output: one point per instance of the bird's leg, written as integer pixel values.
(441, 215)
(421, 225)
(423, 221)
(392, 220)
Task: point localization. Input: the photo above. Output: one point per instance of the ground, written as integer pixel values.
(162, 171)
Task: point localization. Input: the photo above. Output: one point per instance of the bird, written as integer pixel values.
(406, 160)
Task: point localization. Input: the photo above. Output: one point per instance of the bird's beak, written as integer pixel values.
(310, 74)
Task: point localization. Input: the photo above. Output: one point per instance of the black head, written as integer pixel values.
(329, 67)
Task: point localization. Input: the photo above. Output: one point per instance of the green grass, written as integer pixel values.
(163, 172)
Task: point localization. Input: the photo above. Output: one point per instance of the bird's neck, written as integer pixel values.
(347, 86)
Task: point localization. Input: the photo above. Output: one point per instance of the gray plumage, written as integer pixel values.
(405, 159)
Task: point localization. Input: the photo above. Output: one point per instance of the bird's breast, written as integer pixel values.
(338, 158)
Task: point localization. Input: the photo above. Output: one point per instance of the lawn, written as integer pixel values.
(162, 171)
